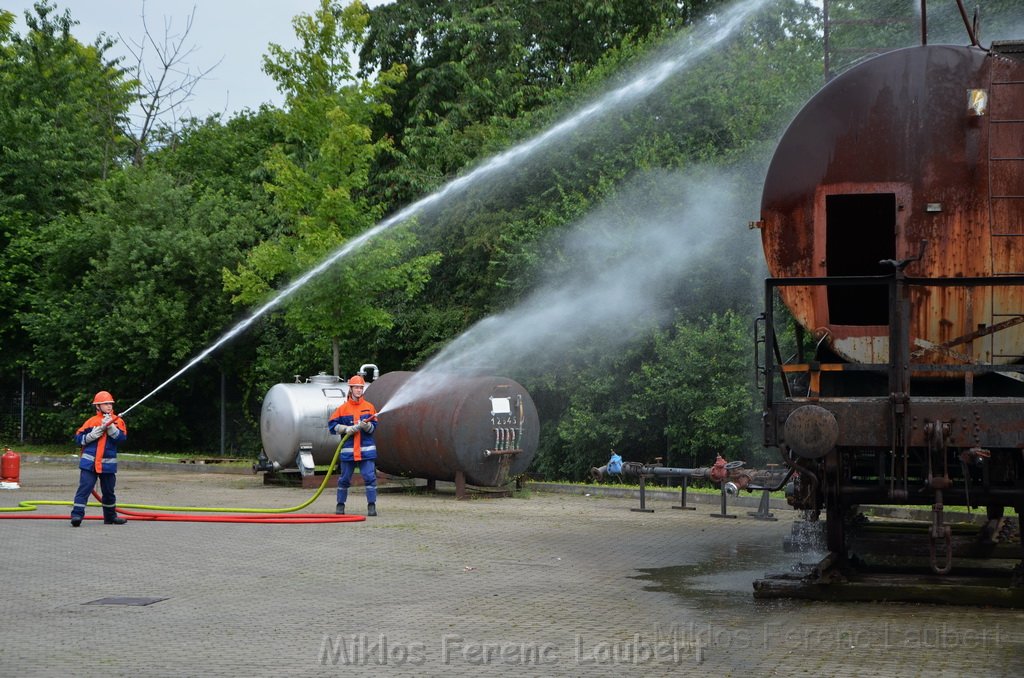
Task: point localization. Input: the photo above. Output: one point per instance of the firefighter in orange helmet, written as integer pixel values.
(99, 436)
(356, 418)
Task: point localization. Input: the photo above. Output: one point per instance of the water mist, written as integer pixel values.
(627, 262)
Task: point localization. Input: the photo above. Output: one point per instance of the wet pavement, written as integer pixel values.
(545, 584)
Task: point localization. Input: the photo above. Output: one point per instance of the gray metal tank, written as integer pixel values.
(482, 427)
(295, 415)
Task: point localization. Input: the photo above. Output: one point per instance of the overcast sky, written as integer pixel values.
(234, 32)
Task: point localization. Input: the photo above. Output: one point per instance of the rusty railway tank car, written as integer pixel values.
(892, 221)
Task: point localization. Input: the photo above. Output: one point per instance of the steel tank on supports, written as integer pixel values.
(480, 430)
(294, 417)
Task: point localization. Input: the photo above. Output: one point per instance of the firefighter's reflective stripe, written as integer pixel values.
(107, 463)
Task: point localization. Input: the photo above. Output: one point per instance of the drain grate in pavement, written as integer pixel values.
(124, 601)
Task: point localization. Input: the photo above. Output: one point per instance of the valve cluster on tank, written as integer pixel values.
(508, 427)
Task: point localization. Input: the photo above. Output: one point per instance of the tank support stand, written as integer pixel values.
(763, 511)
(643, 503)
(682, 497)
(723, 514)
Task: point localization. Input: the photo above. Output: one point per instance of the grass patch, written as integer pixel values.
(1010, 511)
(73, 450)
(650, 487)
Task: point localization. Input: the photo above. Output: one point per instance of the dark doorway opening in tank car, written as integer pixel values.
(860, 231)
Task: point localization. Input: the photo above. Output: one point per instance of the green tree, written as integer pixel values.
(62, 105)
(588, 406)
(128, 291)
(230, 156)
(699, 379)
(318, 184)
(473, 66)
(229, 159)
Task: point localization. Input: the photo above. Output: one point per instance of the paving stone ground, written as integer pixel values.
(545, 585)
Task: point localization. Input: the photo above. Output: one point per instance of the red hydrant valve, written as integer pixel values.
(718, 471)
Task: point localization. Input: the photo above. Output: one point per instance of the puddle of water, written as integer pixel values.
(726, 576)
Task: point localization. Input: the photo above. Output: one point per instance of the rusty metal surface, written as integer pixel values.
(453, 429)
(864, 422)
(811, 431)
(899, 125)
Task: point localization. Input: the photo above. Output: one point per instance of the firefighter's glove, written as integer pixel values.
(352, 430)
(338, 429)
(107, 418)
(94, 434)
(366, 426)
(112, 430)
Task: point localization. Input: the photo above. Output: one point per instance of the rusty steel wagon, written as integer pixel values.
(892, 221)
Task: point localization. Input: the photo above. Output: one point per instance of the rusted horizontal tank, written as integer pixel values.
(919, 144)
(482, 427)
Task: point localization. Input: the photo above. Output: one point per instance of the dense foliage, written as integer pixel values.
(602, 230)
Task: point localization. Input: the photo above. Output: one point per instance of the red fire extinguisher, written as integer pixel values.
(10, 466)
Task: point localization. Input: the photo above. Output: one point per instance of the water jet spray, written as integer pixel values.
(714, 31)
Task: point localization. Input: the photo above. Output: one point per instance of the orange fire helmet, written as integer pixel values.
(103, 397)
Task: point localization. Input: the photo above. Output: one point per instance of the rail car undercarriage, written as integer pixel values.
(923, 430)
